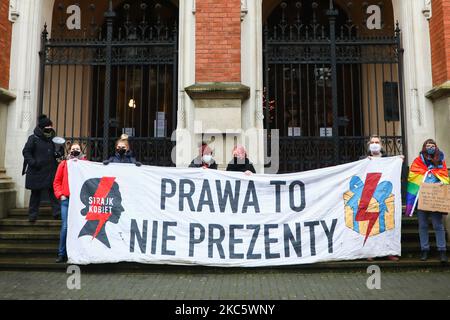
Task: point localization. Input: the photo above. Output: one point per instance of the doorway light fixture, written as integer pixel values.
(132, 104)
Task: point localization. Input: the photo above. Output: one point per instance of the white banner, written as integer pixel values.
(121, 212)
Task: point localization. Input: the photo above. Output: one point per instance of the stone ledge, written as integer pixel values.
(6, 96)
(218, 90)
(439, 92)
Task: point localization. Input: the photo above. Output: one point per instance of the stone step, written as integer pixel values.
(27, 249)
(409, 235)
(48, 264)
(6, 183)
(23, 213)
(12, 224)
(31, 235)
(13, 241)
(7, 201)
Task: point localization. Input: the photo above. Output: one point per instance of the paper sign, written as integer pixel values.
(434, 197)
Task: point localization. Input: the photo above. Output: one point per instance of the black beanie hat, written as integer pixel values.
(43, 121)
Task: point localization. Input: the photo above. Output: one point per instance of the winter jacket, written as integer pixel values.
(240, 165)
(126, 158)
(39, 161)
(198, 163)
(61, 182)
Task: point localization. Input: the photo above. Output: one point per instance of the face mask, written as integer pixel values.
(207, 158)
(121, 151)
(375, 148)
(431, 150)
(49, 132)
(75, 153)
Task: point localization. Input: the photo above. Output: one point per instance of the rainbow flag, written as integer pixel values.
(417, 175)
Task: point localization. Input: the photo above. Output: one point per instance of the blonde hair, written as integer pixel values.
(373, 137)
(123, 139)
(74, 143)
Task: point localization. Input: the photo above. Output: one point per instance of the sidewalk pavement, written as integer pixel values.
(225, 285)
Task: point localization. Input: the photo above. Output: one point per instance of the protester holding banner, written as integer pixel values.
(428, 167)
(123, 153)
(204, 159)
(40, 166)
(62, 192)
(375, 149)
(240, 161)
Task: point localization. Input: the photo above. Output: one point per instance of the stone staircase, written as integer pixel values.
(26, 246)
(7, 193)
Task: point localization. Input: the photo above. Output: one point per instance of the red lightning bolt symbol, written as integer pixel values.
(363, 215)
(104, 187)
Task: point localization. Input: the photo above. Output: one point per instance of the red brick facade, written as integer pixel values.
(5, 44)
(440, 41)
(218, 41)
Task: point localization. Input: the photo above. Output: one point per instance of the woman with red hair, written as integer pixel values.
(240, 161)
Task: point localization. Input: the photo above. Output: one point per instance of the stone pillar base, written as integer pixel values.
(218, 114)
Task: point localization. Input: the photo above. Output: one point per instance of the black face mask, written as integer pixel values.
(121, 151)
(75, 153)
(49, 132)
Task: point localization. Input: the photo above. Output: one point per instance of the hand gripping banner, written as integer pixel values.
(158, 215)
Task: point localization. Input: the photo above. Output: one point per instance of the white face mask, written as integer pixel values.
(207, 158)
(375, 148)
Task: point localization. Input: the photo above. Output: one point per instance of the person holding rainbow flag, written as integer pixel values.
(428, 167)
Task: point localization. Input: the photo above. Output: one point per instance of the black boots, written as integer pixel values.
(424, 255)
(61, 259)
(443, 256)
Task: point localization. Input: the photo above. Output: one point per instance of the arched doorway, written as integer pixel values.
(113, 71)
(330, 81)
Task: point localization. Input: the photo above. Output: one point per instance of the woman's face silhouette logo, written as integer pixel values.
(103, 203)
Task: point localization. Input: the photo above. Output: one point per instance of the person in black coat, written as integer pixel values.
(240, 161)
(123, 153)
(40, 164)
(204, 159)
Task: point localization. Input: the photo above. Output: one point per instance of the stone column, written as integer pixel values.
(440, 56)
(218, 93)
(5, 98)
(24, 83)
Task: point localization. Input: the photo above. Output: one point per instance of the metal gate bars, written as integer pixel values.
(329, 85)
(113, 76)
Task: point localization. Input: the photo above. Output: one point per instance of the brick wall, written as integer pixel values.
(440, 41)
(218, 41)
(5, 44)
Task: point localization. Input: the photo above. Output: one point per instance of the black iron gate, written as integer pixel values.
(328, 86)
(114, 77)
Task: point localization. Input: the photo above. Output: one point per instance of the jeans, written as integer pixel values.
(35, 202)
(438, 226)
(62, 238)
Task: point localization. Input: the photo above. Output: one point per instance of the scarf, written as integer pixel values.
(417, 174)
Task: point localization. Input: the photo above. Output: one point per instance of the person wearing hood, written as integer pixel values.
(240, 161)
(428, 167)
(204, 158)
(40, 163)
(62, 192)
(123, 153)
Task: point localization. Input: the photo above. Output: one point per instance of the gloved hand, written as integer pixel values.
(138, 164)
(106, 162)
